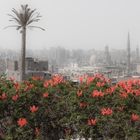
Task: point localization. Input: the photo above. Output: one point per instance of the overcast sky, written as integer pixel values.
(76, 24)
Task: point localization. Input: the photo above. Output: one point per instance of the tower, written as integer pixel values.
(137, 54)
(107, 56)
(128, 55)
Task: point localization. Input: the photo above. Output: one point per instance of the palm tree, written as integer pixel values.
(23, 18)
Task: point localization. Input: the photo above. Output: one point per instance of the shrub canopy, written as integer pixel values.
(55, 108)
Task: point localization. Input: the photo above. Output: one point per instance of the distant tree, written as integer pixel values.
(23, 18)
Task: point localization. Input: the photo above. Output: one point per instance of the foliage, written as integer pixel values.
(53, 109)
(24, 18)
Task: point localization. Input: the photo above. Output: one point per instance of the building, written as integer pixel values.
(128, 56)
(34, 67)
(107, 56)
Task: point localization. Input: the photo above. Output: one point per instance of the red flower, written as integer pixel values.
(22, 122)
(90, 79)
(100, 84)
(92, 122)
(28, 87)
(16, 86)
(83, 104)
(135, 117)
(110, 90)
(97, 93)
(106, 111)
(45, 95)
(81, 79)
(33, 108)
(36, 78)
(79, 93)
(3, 96)
(57, 79)
(136, 92)
(31, 86)
(124, 95)
(46, 84)
(15, 97)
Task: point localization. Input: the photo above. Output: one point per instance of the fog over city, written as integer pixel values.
(75, 24)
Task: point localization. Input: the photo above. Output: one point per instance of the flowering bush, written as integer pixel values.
(53, 109)
(108, 111)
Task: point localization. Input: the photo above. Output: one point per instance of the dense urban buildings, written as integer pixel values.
(34, 67)
(73, 63)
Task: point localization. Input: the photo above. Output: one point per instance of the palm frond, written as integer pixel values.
(11, 15)
(25, 16)
(31, 13)
(14, 26)
(24, 7)
(37, 27)
(35, 16)
(33, 20)
(15, 20)
(16, 13)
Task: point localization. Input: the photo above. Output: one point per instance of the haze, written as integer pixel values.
(72, 24)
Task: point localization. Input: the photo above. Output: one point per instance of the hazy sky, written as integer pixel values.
(76, 24)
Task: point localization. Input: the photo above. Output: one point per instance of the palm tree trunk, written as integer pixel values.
(23, 53)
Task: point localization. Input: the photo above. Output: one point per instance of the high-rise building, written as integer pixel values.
(128, 55)
(107, 56)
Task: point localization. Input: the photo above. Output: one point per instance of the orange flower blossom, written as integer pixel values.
(45, 95)
(97, 93)
(22, 122)
(15, 97)
(92, 122)
(3, 96)
(106, 111)
(33, 108)
(135, 117)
